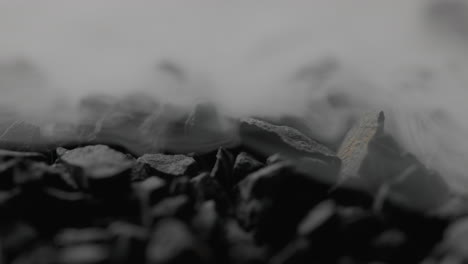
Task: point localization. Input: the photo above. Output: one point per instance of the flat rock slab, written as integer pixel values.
(100, 169)
(169, 165)
(269, 139)
(98, 161)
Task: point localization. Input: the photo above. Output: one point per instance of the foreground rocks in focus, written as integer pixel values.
(276, 199)
(168, 165)
(270, 139)
(100, 168)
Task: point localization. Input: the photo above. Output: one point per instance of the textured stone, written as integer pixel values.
(169, 165)
(270, 139)
(244, 165)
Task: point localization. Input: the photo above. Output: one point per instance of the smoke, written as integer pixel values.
(322, 60)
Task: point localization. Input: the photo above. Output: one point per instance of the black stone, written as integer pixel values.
(241, 245)
(181, 186)
(281, 193)
(172, 242)
(222, 170)
(169, 166)
(244, 165)
(270, 139)
(103, 171)
(206, 187)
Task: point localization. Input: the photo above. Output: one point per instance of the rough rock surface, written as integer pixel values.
(168, 165)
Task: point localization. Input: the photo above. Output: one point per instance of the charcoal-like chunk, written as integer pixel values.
(206, 187)
(172, 242)
(244, 165)
(98, 160)
(104, 170)
(140, 171)
(180, 186)
(241, 245)
(169, 166)
(222, 170)
(269, 139)
(278, 192)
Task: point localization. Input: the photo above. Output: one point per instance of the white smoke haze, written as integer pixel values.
(260, 57)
